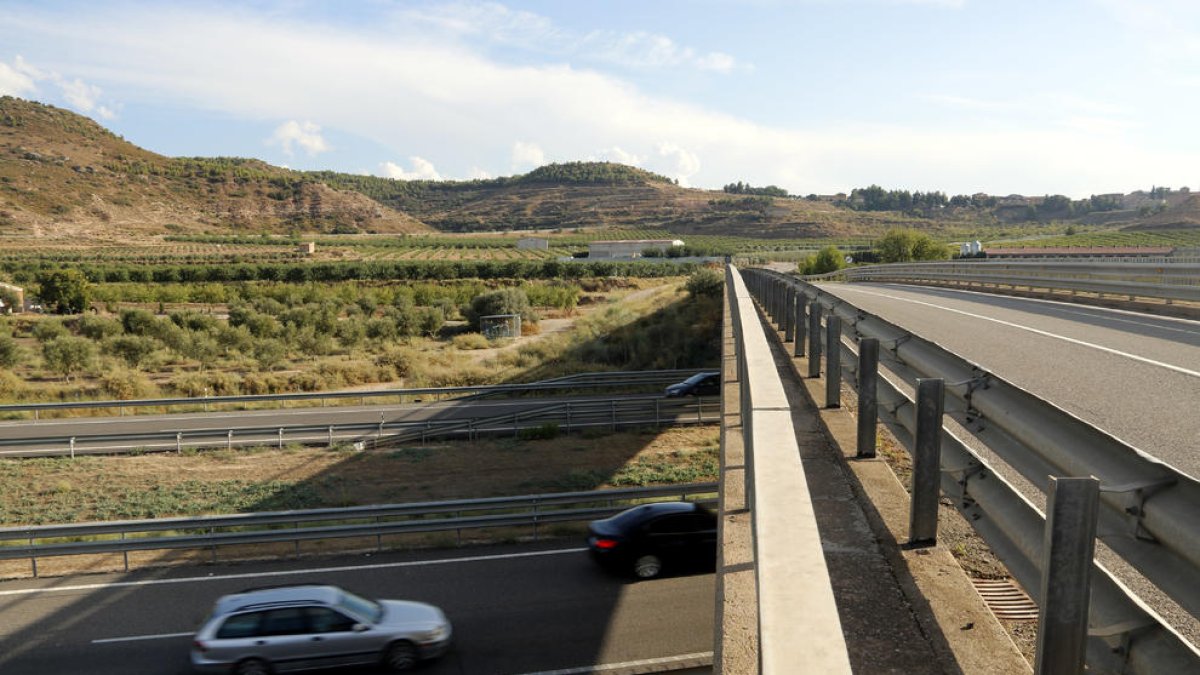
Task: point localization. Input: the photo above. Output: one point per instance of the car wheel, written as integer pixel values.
(252, 667)
(400, 656)
(647, 566)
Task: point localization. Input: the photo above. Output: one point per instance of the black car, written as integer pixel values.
(649, 539)
(700, 384)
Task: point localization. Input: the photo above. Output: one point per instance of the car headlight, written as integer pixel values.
(437, 634)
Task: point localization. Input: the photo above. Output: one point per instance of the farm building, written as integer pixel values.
(12, 299)
(629, 248)
(533, 243)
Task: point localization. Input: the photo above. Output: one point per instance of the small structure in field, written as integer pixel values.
(630, 248)
(307, 248)
(533, 243)
(496, 326)
(12, 299)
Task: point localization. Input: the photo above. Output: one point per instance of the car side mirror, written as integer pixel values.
(360, 627)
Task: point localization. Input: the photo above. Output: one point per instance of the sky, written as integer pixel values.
(1072, 97)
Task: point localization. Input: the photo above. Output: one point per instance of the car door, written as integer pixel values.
(284, 639)
(336, 643)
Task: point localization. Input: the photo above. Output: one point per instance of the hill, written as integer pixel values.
(63, 175)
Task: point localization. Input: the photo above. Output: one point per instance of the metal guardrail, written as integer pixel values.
(612, 414)
(798, 620)
(1147, 507)
(209, 532)
(580, 380)
(1162, 279)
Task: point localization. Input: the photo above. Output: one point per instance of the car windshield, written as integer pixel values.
(698, 377)
(361, 607)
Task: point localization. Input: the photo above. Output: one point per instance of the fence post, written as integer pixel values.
(868, 404)
(833, 362)
(814, 340)
(801, 333)
(1069, 543)
(789, 317)
(927, 457)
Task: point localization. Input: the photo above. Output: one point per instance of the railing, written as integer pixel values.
(210, 532)
(1146, 512)
(569, 416)
(1163, 279)
(580, 380)
(798, 624)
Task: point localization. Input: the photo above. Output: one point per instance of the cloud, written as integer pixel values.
(21, 78)
(477, 173)
(422, 170)
(683, 163)
(17, 79)
(527, 155)
(494, 23)
(620, 156)
(306, 135)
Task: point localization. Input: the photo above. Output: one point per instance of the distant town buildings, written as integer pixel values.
(629, 248)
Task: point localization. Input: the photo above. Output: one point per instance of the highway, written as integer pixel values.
(1134, 375)
(260, 426)
(516, 609)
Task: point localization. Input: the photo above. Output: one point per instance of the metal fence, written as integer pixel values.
(577, 381)
(1146, 508)
(1166, 279)
(211, 532)
(611, 414)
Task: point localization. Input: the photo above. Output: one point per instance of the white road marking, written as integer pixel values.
(1082, 343)
(599, 668)
(136, 638)
(283, 573)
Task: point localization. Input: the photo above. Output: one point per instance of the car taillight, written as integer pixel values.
(199, 646)
(604, 544)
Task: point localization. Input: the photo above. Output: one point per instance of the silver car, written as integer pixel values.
(291, 628)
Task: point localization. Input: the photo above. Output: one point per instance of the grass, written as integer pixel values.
(63, 490)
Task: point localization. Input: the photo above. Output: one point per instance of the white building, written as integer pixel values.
(629, 248)
(533, 243)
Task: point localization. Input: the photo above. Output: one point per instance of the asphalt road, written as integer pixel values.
(1134, 375)
(395, 417)
(515, 609)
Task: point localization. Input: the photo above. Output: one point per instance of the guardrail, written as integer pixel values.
(570, 416)
(1146, 512)
(580, 380)
(210, 532)
(798, 623)
(1162, 279)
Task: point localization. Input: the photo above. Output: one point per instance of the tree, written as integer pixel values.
(828, 259)
(10, 353)
(503, 301)
(706, 283)
(64, 291)
(68, 355)
(902, 245)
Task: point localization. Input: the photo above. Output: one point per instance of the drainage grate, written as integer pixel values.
(1006, 600)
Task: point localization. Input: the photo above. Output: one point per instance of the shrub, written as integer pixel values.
(399, 359)
(11, 386)
(544, 432)
(269, 353)
(132, 349)
(10, 353)
(123, 384)
(471, 341)
(705, 283)
(48, 330)
(98, 328)
(68, 355)
(503, 301)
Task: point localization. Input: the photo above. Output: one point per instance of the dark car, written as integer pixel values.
(700, 384)
(649, 539)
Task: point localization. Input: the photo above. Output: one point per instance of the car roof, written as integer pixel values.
(259, 597)
(639, 514)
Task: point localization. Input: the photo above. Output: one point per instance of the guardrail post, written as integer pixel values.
(868, 404)
(927, 458)
(33, 558)
(179, 442)
(1069, 544)
(833, 362)
(516, 420)
(613, 405)
(331, 436)
(814, 340)
(656, 415)
(789, 317)
(125, 553)
(281, 437)
(72, 447)
(229, 440)
(801, 334)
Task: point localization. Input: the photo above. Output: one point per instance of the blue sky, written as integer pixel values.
(1060, 96)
